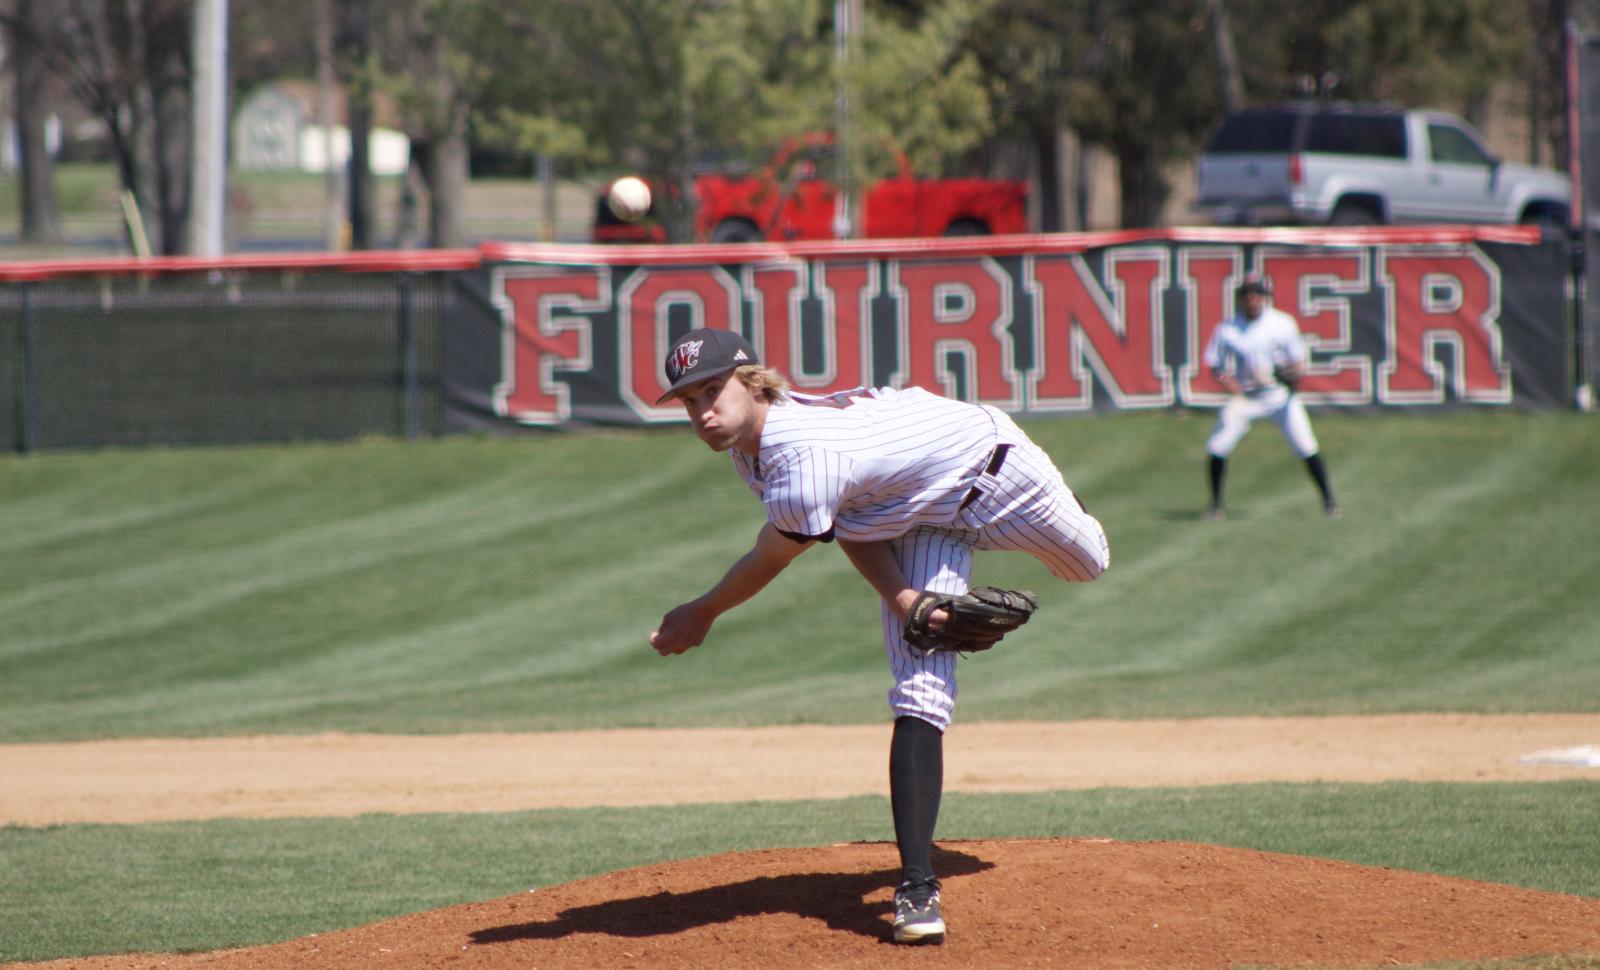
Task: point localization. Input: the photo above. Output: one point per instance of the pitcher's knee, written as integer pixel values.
(1082, 562)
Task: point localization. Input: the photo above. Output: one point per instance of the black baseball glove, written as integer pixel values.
(1288, 377)
(977, 619)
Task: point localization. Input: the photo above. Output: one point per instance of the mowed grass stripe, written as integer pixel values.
(477, 584)
(1444, 555)
(153, 594)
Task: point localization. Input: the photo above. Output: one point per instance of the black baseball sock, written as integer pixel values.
(1217, 467)
(1319, 474)
(916, 780)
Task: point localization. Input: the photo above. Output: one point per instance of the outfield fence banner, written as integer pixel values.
(547, 336)
(517, 336)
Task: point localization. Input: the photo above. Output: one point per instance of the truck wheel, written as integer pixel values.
(1551, 219)
(735, 231)
(966, 227)
(1351, 213)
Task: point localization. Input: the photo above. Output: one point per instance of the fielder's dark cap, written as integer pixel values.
(1255, 283)
(704, 353)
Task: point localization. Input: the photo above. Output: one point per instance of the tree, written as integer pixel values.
(1148, 81)
(411, 59)
(1230, 76)
(355, 63)
(601, 83)
(1122, 76)
(1145, 97)
(127, 61)
(660, 87)
(767, 70)
(1411, 52)
(39, 216)
(1026, 51)
(920, 89)
(1547, 73)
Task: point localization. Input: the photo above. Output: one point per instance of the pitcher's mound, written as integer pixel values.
(1082, 903)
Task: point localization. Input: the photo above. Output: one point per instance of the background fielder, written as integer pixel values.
(1259, 356)
(910, 484)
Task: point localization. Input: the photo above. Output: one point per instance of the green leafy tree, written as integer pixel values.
(917, 85)
(661, 86)
(128, 62)
(602, 82)
(432, 81)
(1143, 87)
(1136, 79)
(763, 71)
(1414, 52)
(1143, 80)
(1028, 51)
(910, 84)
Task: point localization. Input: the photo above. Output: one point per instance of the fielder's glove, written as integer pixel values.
(1288, 377)
(977, 619)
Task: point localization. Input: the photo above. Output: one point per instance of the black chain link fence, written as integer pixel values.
(214, 357)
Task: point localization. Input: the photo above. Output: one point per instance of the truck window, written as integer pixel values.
(1447, 143)
(1347, 134)
(1254, 131)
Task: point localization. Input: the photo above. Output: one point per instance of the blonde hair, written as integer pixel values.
(763, 382)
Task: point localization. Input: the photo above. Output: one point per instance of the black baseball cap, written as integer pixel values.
(704, 353)
(1255, 283)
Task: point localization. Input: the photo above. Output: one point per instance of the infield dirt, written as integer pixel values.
(1087, 903)
(147, 780)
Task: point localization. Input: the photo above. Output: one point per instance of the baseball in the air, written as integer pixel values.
(629, 198)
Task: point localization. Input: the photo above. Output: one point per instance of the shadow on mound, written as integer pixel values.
(850, 902)
(1081, 903)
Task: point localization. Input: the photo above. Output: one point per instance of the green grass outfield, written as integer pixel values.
(478, 584)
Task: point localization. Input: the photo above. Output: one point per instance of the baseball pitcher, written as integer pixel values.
(910, 485)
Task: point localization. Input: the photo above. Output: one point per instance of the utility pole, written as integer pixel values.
(210, 107)
(847, 15)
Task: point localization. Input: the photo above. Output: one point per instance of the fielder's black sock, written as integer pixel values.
(916, 780)
(1319, 474)
(1217, 467)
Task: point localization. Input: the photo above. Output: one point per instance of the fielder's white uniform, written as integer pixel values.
(1249, 350)
(938, 478)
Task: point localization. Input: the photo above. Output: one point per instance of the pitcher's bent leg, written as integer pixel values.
(1035, 512)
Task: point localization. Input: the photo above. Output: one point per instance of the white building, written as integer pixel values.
(276, 129)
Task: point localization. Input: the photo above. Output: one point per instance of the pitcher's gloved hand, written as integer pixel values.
(976, 619)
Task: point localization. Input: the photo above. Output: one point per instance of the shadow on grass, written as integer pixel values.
(1192, 515)
(837, 899)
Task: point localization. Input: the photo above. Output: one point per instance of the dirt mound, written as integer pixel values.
(1085, 903)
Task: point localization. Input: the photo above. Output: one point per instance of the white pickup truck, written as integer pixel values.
(1316, 163)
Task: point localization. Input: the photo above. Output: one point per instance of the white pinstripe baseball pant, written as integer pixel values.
(1024, 506)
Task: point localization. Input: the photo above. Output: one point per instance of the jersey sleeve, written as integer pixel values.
(804, 489)
(1291, 347)
(1212, 357)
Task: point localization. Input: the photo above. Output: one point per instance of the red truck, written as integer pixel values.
(789, 200)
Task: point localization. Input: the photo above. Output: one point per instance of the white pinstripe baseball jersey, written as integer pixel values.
(921, 471)
(1250, 349)
(867, 464)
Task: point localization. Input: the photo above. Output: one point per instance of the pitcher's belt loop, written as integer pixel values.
(998, 459)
